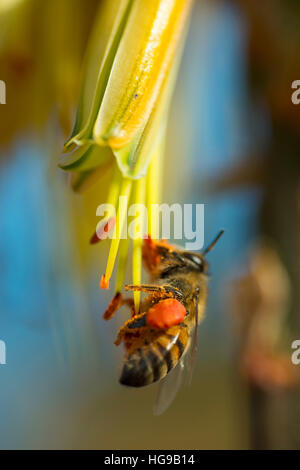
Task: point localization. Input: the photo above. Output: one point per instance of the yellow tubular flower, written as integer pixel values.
(139, 198)
(154, 186)
(118, 230)
(130, 72)
(104, 42)
(144, 57)
(122, 261)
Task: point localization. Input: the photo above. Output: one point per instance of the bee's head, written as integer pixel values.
(198, 260)
(161, 255)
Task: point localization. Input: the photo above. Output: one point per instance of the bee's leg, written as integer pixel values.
(114, 305)
(159, 291)
(133, 325)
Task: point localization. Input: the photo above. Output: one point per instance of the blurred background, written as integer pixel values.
(233, 144)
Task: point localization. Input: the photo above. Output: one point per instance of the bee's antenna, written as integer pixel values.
(212, 244)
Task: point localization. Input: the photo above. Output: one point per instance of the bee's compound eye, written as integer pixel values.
(194, 259)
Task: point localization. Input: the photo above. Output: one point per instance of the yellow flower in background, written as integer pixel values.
(41, 49)
(7, 6)
(130, 70)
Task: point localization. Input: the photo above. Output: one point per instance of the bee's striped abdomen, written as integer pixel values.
(172, 345)
(152, 362)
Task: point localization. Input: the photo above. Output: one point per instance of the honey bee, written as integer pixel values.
(159, 336)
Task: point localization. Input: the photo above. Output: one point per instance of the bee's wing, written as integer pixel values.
(191, 354)
(167, 388)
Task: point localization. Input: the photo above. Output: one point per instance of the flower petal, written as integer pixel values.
(110, 24)
(144, 57)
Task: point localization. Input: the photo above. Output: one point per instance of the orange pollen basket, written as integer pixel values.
(166, 313)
